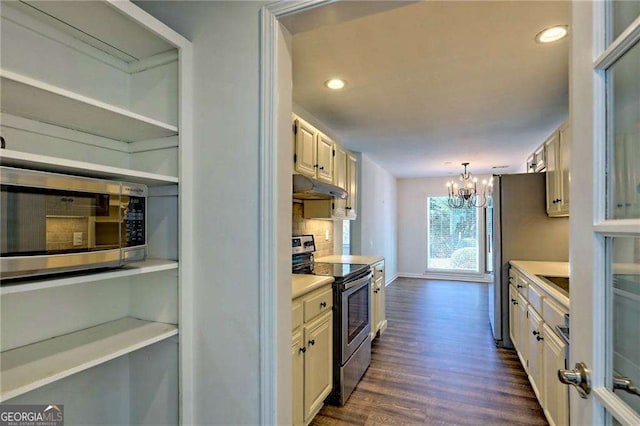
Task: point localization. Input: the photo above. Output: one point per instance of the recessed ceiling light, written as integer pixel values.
(335, 84)
(549, 35)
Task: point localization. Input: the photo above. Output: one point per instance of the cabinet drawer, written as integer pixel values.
(521, 284)
(553, 313)
(535, 298)
(296, 315)
(318, 304)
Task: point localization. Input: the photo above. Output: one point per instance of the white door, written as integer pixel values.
(605, 209)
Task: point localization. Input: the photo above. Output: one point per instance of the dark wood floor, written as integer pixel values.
(437, 364)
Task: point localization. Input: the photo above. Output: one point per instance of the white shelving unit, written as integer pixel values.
(101, 89)
(30, 367)
(27, 97)
(146, 267)
(61, 165)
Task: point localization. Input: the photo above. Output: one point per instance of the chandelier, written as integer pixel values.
(465, 193)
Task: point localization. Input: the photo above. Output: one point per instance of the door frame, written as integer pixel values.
(273, 405)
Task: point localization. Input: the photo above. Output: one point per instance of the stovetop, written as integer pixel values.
(337, 270)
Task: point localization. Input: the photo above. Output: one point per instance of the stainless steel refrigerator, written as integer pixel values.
(518, 228)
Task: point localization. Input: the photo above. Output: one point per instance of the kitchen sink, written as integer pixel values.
(562, 283)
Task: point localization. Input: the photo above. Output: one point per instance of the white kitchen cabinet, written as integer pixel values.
(340, 167)
(514, 326)
(378, 310)
(535, 351)
(536, 161)
(557, 154)
(118, 113)
(318, 372)
(352, 186)
(523, 330)
(556, 394)
(305, 159)
(313, 152)
(312, 353)
(297, 364)
(541, 351)
(325, 158)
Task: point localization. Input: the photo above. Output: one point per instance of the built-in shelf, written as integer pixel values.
(81, 168)
(34, 99)
(32, 366)
(135, 268)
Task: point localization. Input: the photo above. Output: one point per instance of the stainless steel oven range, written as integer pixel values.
(351, 319)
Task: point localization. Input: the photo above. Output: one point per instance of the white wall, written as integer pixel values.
(225, 38)
(412, 221)
(375, 230)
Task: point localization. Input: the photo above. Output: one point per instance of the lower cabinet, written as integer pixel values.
(378, 311)
(541, 351)
(534, 352)
(556, 394)
(311, 353)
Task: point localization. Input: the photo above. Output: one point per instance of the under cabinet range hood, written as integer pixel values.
(306, 188)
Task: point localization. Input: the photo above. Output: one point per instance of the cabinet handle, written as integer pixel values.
(322, 168)
(519, 286)
(514, 301)
(302, 350)
(376, 290)
(535, 333)
(312, 342)
(323, 304)
(347, 208)
(315, 166)
(3, 144)
(538, 338)
(559, 199)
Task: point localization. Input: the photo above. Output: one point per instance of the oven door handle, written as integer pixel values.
(358, 282)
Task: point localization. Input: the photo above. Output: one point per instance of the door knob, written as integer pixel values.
(580, 378)
(625, 384)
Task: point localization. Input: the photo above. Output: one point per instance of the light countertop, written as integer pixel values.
(302, 284)
(365, 260)
(532, 269)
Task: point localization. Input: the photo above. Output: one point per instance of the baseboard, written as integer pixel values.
(391, 280)
(481, 278)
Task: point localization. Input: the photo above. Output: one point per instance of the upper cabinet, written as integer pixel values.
(319, 157)
(352, 186)
(536, 161)
(557, 150)
(314, 152)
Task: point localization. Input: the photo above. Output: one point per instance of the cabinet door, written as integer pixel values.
(531, 164)
(297, 364)
(325, 158)
(318, 374)
(305, 149)
(564, 162)
(513, 317)
(523, 331)
(556, 394)
(550, 151)
(352, 186)
(535, 338)
(340, 167)
(539, 159)
(379, 280)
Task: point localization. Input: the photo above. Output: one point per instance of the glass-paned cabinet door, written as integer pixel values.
(623, 136)
(623, 317)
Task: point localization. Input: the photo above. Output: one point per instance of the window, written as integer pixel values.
(346, 237)
(452, 240)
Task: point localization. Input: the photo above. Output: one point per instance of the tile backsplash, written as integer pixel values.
(316, 227)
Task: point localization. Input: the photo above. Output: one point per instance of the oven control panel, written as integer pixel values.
(303, 244)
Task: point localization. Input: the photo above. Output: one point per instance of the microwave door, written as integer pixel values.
(23, 222)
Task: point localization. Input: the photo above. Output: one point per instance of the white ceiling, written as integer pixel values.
(435, 82)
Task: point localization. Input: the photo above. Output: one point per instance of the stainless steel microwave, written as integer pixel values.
(52, 223)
